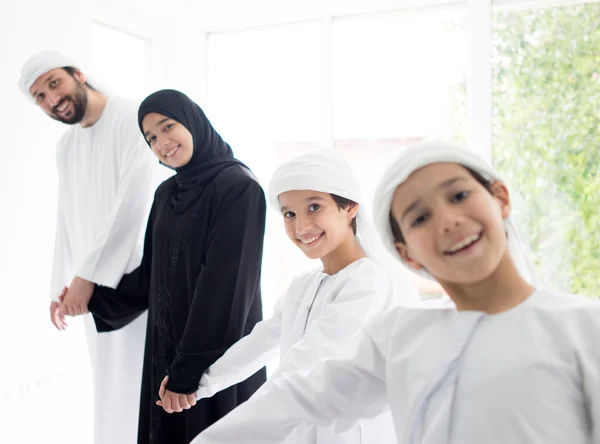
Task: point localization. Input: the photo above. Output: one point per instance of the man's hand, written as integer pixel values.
(78, 296)
(56, 318)
(174, 402)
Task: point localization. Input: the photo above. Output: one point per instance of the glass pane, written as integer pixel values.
(264, 96)
(120, 61)
(546, 119)
(398, 78)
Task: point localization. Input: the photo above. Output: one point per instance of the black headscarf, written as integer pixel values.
(211, 154)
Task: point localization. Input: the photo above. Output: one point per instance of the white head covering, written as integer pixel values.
(328, 171)
(38, 64)
(423, 154)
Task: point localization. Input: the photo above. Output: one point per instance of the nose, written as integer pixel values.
(451, 219)
(52, 98)
(303, 225)
(163, 142)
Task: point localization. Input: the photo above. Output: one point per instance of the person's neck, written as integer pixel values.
(347, 252)
(95, 107)
(504, 289)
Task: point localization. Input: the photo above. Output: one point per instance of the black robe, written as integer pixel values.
(200, 280)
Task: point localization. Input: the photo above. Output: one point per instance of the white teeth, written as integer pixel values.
(170, 153)
(464, 243)
(63, 106)
(310, 240)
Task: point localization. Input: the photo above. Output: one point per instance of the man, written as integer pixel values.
(107, 177)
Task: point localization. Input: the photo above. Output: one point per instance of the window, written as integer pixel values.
(120, 61)
(546, 80)
(398, 78)
(264, 98)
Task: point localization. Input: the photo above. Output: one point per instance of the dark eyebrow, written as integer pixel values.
(48, 80)
(409, 209)
(444, 184)
(158, 124)
(313, 198)
(447, 183)
(308, 199)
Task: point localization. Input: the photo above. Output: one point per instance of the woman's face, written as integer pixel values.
(170, 141)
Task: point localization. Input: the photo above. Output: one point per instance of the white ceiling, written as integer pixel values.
(218, 15)
(223, 15)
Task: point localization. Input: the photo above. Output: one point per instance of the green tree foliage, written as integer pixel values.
(547, 135)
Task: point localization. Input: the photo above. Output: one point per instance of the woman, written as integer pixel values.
(200, 273)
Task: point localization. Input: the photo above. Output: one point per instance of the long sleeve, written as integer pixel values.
(107, 260)
(360, 299)
(244, 358)
(226, 286)
(62, 268)
(338, 391)
(115, 308)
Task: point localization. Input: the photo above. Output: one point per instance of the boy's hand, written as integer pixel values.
(174, 402)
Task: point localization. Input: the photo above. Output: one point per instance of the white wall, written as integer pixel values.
(178, 42)
(46, 395)
(32, 351)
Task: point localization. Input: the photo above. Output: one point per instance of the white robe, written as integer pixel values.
(528, 375)
(107, 177)
(309, 323)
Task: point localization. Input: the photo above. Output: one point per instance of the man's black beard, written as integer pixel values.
(79, 100)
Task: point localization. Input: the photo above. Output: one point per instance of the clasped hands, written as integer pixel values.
(74, 301)
(173, 402)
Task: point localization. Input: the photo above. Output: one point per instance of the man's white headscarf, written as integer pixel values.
(328, 171)
(38, 64)
(422, 154)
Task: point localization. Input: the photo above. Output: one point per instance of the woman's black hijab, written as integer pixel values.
(211, 154)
